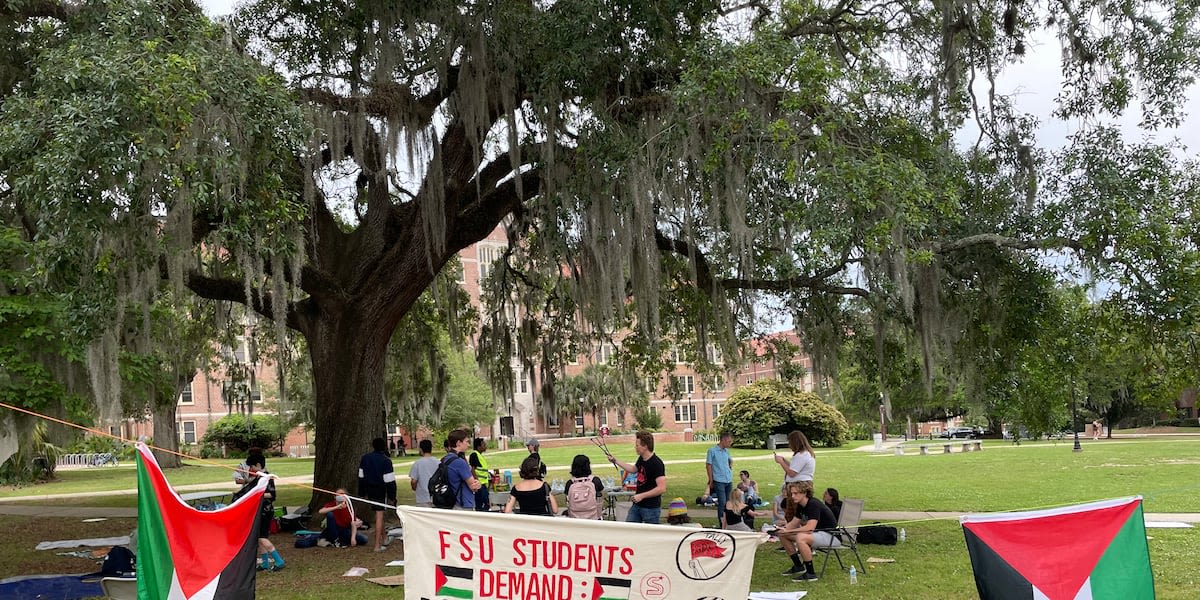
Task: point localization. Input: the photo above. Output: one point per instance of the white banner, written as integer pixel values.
(459, 554)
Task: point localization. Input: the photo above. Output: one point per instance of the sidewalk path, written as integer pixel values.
(90, 512)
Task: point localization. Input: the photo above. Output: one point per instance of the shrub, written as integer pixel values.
(242, 432)
(763, 408)
(648, 419)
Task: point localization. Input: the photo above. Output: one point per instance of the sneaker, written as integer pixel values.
(381, 549)
(337, 545)
(792, 571)
(805, 576)
(278, 566)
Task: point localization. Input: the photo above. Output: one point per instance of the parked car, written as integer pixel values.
(961, 433)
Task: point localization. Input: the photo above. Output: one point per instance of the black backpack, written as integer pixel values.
(877, 534)
(119, 562)
(441, 493)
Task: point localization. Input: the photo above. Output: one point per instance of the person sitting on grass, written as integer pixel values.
(341, 525)
(531, 495)
(749, 488)
(810, 523)
(677, 514)
(740, 516)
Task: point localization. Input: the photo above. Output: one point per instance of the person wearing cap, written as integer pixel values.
(651, 480)
(532, 445)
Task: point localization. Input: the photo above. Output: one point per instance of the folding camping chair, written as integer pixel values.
(119, 588)
(845, 536)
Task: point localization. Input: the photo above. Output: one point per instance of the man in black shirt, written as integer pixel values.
(651, 480)
(810, 523)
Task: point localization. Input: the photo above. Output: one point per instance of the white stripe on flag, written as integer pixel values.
(1084, 593)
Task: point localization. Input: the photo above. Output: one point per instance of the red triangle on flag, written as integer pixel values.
(1055, 552)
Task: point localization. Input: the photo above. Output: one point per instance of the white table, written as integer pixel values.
(206, 500)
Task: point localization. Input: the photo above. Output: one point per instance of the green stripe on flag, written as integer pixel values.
(1123, 571)
(455, 592)
(156, 566)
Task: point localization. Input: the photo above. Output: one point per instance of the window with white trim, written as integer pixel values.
(185, 395)
(552, 420)
(522, 382)
(687, 383)
(716, 411)
(603, 419)
(604, 352)
(187, 432)
(685, 413)
(488, 255)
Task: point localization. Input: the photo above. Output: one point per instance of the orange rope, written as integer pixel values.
(165, 450)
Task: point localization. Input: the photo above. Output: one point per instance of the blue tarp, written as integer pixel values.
(51, 587)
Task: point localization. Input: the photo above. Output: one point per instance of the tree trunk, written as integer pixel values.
(166, 436)
(347, 352)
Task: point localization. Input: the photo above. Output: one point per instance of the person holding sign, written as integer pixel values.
(651, 480)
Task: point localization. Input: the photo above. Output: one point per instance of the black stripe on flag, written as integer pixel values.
(614, 582)
(994, 577)
(459, 572)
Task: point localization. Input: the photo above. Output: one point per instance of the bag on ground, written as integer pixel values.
(877, 534)
(119, 562)
(582, 502)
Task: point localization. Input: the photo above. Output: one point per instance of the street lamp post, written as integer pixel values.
(691, 412)
(1075, 420)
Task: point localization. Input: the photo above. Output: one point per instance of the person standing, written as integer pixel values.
(803, 464)
(421, 472)
(532, 445)
(479, 467)
(651, 480)
(719, 465)
(462, 480)
(266, 512)
(377, 483)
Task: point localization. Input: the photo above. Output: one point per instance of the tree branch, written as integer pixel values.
(1003, 241)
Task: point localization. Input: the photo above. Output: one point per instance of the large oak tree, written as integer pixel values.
(667, 167)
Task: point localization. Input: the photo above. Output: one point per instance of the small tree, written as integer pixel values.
(766, 407)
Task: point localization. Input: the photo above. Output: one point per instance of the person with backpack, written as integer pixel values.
(377, 483)
(454, 475)
(583, 490)
(479, 467)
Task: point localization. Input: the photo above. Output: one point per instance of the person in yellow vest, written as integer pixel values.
(480, 467)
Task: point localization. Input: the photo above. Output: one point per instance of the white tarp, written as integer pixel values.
(460, 554)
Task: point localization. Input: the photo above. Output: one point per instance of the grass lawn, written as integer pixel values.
(932, 564)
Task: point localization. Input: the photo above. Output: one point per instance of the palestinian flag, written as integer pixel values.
(454, 582)
(610, 588)
(189, 554)
(1093, 551)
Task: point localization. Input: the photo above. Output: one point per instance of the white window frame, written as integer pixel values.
(186, 397)
(716, 410)
(603, 419)
(184, 433)
(683, 410)
(687, 383)
(604, 352)
(552, 420)
(522, 382)
(487, 255)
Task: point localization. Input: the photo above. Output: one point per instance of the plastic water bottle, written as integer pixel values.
(903, 535)
(853, 575)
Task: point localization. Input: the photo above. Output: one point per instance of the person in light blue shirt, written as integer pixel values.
(719, 465)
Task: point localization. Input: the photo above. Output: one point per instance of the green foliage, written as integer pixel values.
(34, 460)
(766, 407)
(647, 419)
(242, 432)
